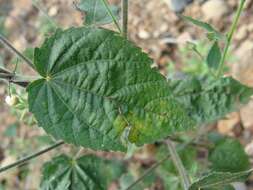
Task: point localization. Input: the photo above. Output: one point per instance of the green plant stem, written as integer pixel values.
(124, 18)
(230, 37)
(32, 156)
(153, 167)
(148, 171)
(111, 14)
(6, 43)
(178, 164)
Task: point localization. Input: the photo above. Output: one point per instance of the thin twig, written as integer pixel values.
(229, 37)
(5, 42)
(124, 18)
(32, 156)
(109, 11)
(178, 164)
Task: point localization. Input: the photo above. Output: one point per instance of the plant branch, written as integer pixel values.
(32, 156)
(6, 43)
(178, 164)
(10, 77)
(111, 14)
(124, 18)
(230, 37)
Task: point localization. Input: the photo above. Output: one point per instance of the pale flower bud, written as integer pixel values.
(11, 100)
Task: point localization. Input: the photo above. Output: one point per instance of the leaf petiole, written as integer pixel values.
(111, 15)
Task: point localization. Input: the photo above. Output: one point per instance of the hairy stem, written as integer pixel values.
(178, 164)
(32, 156)
(111, 14)
(124, 18)
(230, 37)
(153, 167)
(6, 43)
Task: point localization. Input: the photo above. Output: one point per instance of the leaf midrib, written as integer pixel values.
(72, 112)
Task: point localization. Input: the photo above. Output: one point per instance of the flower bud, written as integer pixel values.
(11, 100)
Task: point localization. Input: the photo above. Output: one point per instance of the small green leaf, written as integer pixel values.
(219, 180)
(86, 173)
(229, 156)
(98, 90)
(96, 13)
(213, 34)
(208, 99)
(214, 56)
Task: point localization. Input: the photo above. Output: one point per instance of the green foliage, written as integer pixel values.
(46, 27)
(96, 12)
(208, 99)
(213, 34)
(192, 59)
(86, 173)
(128, 178)
(98, 97)
(219, 180)
(229, 156)
(28, 52)
(98, 90)
(169, 174)
(214, 56)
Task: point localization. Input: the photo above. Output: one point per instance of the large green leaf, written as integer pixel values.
(86, 173)
(96, 12)
(229, 156)
(209, 99)
(98, 89)
(219, 180)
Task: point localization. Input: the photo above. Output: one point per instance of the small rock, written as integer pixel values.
(243, 68)
(241, 33)
(249, 148)
(250, 27)
(246, 115)
(178, 6)
(214, 9)
(53, 11)
(226, 126)
(143, 34)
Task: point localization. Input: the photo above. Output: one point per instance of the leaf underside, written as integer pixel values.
(98, 90)
(86, 173)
